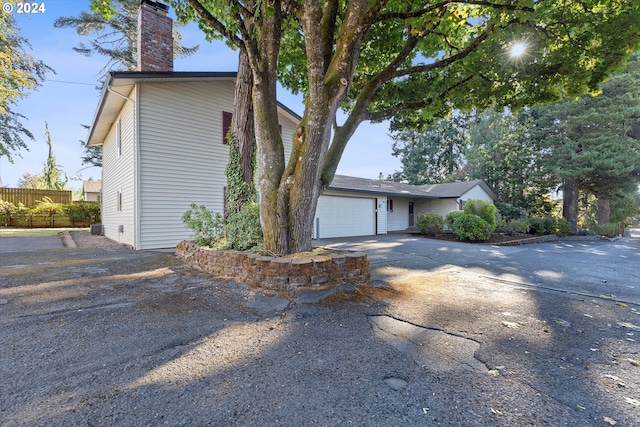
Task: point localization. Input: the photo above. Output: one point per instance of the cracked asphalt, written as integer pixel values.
(450, 334)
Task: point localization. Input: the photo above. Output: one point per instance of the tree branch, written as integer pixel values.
(429, 9)
(216, 24)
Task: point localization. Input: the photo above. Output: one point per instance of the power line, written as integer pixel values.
(72, 83)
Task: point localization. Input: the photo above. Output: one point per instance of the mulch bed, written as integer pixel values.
(495, 238)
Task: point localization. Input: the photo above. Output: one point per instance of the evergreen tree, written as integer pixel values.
(52, 174)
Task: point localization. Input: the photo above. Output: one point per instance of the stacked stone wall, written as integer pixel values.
(279, 273)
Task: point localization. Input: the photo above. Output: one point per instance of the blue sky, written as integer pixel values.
(68, 99)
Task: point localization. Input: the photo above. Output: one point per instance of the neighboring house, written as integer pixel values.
(358, 206)
(91, 190)
(164, 147)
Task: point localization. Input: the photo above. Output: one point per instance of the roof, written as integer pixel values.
(365, 185)
(119, 85)
(456, 189)
(390, 188)
(91, 186)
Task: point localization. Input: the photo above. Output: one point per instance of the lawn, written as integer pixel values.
(33, 232)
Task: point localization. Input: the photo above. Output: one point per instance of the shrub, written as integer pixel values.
(451, 217)
(471, 227)
(242, 229)
(85, 212)
(205, 225)
(48, 207)
(508, 211)
(7, 209)
(541, 226)
(430, 224)
(484, 210)
(562, 227)
(515, 226)
(608, 229)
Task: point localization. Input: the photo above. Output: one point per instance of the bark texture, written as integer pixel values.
(570, 203)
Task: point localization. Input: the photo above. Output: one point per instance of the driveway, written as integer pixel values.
(591, 268)
(108, 336)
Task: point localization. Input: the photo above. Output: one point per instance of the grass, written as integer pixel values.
(33, 232)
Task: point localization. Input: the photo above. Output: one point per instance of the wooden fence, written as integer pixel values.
(44, 221)
(29, 196)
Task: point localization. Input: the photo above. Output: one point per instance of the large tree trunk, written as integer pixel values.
(604, 210)
(570, 203)
(242, 125)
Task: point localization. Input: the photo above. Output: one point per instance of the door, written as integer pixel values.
(338, 216)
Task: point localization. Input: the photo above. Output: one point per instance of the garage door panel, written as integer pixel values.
(345, 216)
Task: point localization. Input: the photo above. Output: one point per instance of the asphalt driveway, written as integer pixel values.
(449, 336)
(593, 268)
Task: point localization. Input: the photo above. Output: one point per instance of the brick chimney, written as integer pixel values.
(155, 37)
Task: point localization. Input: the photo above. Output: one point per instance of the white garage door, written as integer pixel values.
(345, 216)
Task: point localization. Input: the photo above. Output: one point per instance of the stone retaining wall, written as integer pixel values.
(279, 273)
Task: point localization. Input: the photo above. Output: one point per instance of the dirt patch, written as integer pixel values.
(84, 239)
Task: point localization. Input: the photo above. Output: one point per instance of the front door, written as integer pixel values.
(410, 214)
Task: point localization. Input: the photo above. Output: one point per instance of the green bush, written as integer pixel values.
(86, 212)
(508, 211)
(514, 226)
(541, 226)
(484, 210)
(562, 227)
(242, 229)
(7, 209)
(608, 229)
(471, 227)
(430, 224)
(206, 226)
(48, 207)
(451, 217)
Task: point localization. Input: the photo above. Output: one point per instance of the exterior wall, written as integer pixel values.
(477, 193)
(382, 215)
(399, 218)
(182, 157)
(440, 206)
(118, 174)
(91, 197)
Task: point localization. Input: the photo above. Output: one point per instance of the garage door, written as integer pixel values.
(345, 216)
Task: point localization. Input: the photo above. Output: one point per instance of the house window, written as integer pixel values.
(119, 200)
(390, 205)
(226, 125)
(119, 138)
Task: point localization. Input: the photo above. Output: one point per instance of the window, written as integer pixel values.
(119, 138)
(226, 125)
(119, 200)
(390, 205)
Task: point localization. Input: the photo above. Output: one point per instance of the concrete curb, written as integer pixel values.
(67, 240)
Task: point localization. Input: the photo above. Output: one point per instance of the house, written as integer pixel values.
(358, 206)
(164, 148)
(91, 190)
(163, 139)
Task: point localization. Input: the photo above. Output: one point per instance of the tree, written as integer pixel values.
(591, 143)
(435, 155)
(28, 180)
(52, 174)
(20, 73)
(114, 36)
(386, 59)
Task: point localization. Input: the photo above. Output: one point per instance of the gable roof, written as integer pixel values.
(365, 185)
(119, 84)
(456, 189)
(390, 188)
(91, 186)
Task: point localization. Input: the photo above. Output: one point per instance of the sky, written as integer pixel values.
(69, 98)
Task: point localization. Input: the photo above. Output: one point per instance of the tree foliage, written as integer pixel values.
(408, 62)
(52, 173)
(20, 73)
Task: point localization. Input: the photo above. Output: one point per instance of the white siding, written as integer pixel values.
(477, 193)
(382, 215)
(439, 206)
(399, 218)
(118, 175)
(182, 157)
